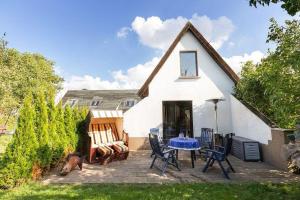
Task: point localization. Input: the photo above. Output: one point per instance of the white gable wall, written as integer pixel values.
(166, 86)
(247, 124)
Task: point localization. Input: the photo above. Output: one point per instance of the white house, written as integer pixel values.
(174, 95)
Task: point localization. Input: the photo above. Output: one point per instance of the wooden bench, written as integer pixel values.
(105, 144)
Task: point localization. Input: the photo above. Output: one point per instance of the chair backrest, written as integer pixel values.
(227, 143)
(156, 132)
(206, 137)
(154, 143)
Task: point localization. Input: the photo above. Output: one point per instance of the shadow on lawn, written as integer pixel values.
(154, 191)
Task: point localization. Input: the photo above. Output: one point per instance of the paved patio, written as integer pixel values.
(136, 170)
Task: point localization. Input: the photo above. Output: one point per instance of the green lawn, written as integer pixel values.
(4, 140)
(154, 191)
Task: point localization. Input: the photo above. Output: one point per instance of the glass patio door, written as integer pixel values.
(177, 118)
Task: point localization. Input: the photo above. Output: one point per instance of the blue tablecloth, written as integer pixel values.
(184, 143)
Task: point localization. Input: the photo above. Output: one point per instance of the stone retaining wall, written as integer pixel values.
(272, 152)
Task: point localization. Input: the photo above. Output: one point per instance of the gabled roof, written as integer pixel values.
(143, 92)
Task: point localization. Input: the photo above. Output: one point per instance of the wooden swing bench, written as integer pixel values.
(106, 144)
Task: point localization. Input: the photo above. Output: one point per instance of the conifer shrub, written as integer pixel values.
(80, 116)
(52, 124)
(44, 151)
(61, 132)
(45, 134)
(70, 129)
(21, 153)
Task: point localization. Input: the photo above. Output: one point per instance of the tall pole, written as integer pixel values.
(215, 101)
(216, 111)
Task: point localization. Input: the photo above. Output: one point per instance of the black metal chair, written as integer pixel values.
(168, 156)
(220, 154)
(162, 144)
(205, 141)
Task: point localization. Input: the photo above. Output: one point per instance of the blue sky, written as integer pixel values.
(81, 36)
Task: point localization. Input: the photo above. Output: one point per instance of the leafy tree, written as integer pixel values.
(21, 153)
(291, 6)
(20, 74)
(273, 86)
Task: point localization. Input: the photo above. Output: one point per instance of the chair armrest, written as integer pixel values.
(90, 134)
(219, 148)
(214, 151)
(165, 147)
(162, 145)
(169, 151)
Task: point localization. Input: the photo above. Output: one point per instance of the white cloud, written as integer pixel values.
(235, 62)
(123, 32)
(231, 44)
(159, 34)
(89, 82)
(133, 78)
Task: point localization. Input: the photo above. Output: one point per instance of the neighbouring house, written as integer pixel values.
(101, 99)
(173, 98)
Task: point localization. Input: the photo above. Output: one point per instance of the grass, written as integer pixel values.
(4, 140)
(203, 191)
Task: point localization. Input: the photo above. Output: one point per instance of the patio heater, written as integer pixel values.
(215, 101)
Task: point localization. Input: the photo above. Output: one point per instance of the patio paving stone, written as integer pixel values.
(136, 170)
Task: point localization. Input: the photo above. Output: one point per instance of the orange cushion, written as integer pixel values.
(120, 148)
(105, 151)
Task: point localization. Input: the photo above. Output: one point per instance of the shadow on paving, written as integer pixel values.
(136, 170)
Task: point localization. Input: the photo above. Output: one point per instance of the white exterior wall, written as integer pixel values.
(247, 124)
(166, 86)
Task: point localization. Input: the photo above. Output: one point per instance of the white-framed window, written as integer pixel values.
(96, 101)
(71, 102)
(188, 64)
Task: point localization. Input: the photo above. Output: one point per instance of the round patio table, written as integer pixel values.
(186, 144)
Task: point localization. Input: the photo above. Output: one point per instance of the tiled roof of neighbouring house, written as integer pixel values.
(101, 99)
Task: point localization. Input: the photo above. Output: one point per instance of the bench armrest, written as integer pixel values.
(90, 134)
(125, 138)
